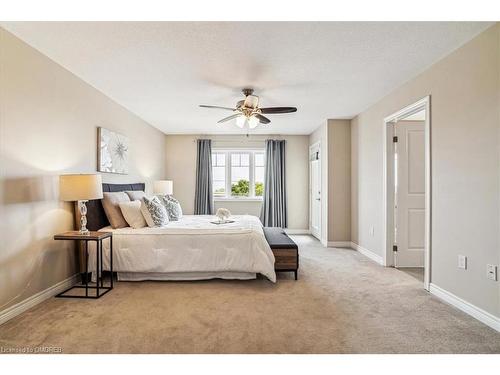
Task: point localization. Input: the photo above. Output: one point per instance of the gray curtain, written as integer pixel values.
(204, 201)
(274, 207)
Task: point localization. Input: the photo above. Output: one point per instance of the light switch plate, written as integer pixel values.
(491, 272)
(462, 262)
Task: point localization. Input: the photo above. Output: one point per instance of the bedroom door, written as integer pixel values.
(409, 194)
(315, 193)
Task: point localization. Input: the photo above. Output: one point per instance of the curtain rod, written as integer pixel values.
(239, 139)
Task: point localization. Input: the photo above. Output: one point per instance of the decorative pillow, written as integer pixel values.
(154, 212)
(135, 195)
(132, 213)
(110, 203)
(173, 207)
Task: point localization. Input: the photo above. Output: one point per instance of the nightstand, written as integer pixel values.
(99, 287)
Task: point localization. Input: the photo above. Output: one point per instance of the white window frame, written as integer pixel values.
(251, 175)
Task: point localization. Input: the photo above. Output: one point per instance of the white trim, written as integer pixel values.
(368, 253)
(343, 244)
(241, 199)
(388, 257)
(35, 299)
(467, 307)
(297, 231)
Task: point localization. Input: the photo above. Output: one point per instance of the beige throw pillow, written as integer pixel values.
(111, 204)
(132, 213)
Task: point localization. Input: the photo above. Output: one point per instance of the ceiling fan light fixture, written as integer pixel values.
(248, 113)
(253, 122)
(240, 121)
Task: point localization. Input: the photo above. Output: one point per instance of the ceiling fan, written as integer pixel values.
(247, 111)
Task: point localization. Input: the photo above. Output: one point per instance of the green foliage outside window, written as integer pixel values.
(242, 188)
(259, 189)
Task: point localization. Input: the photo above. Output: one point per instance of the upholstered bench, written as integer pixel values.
(286, 252)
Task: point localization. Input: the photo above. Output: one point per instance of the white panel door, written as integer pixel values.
(315, 199)
(410, 194)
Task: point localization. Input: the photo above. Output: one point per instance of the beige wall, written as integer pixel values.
(335, 139)
(339, 180)
(181, 168)
(465, 115)
(48, 126)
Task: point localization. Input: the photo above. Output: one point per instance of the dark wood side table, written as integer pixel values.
(99, 287)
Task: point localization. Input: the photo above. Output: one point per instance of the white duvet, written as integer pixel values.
(190, 246)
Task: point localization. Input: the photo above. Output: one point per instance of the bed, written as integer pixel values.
(189, 249)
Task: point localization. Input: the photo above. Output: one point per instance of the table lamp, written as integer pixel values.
(163, 187)
(81, 188)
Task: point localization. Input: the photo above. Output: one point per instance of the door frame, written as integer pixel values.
(388, 180)
(317, 146)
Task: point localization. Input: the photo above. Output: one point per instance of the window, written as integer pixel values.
(219, 174)
(238, 174)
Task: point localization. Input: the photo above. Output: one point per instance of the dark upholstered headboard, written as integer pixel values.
(96, 218)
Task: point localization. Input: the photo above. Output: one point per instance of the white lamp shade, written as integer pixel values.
(164, 187)
(80, 187)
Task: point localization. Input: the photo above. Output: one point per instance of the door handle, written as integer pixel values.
(318, 199)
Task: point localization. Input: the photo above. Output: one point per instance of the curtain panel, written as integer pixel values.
(204, 200)
(274, 206)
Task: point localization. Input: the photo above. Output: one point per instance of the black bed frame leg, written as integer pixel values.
(295, 275)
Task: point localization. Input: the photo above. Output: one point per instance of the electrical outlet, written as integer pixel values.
(462, 262)
(372, 230)
(491, 272)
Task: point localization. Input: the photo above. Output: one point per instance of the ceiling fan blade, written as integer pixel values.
(228, 118)
(271, 110)
(217, 107)
(262, 119)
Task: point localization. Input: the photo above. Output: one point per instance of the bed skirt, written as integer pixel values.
(184, 276)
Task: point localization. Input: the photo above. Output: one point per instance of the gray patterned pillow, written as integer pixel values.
(158, 216)
(172, 206)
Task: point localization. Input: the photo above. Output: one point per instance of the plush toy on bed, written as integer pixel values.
(223, 214)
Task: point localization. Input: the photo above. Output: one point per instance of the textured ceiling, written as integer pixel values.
(161, 71)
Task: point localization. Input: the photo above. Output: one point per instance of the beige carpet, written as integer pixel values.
(342, 303)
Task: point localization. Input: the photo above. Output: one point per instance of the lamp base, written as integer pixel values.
(83, 218)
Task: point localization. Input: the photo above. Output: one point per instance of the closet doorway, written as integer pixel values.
(407, 190)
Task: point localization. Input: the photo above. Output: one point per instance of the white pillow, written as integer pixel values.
(131, 211)
(154, 212)
(147, 216)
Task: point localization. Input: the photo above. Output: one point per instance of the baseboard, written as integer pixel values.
(467, 307)
(339, 244)
(35, 299)
(297, 231)
(368, 253)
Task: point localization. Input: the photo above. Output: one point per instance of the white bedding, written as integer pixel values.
(189, 248)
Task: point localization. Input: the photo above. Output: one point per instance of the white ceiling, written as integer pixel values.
(162, 70)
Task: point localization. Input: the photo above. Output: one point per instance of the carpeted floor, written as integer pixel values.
(417, 273)
(342, 303)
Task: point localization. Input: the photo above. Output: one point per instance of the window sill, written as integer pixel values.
(222, 199)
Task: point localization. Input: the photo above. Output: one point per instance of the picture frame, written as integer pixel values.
(112, 152)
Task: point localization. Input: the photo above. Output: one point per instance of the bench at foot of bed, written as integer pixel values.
(286, 252)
